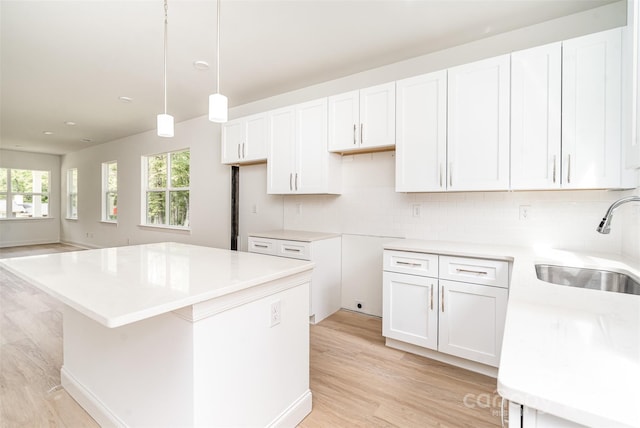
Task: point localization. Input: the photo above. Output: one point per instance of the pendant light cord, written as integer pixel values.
(218, 50)
(166, 10)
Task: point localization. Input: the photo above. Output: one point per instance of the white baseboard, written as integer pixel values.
(444, 358)
(81, 245)
(89, 402)
(5, 244)
(295, 413)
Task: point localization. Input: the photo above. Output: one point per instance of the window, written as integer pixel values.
(24, 193)
(72, 193)
(110, 191)
(166, 189)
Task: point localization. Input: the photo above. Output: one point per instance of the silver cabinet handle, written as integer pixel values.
(554, 169)
(260, 245)
(296, 181)
(478, 272)
(238, 151)
(244, 154)
(569, 168)
(290, 181)
(293, 250)
(431, 297)
(450, 174)
(407, 263)
(440, 173)
(354, 135)
(442, 298)
(361, 132)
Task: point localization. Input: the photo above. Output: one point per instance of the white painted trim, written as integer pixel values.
(81, 245)
(7, 244)
(88, 401)
(295, 413)
(444, 358)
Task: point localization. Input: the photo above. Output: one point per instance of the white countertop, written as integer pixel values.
(295, 235)
(570, 352)
(118, 286)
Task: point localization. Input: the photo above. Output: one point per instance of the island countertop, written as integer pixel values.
(122, 285)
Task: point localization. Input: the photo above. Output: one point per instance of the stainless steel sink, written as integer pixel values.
(594, 279)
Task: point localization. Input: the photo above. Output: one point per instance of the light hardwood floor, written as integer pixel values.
(356, 381)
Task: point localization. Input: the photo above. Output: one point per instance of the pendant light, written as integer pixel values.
(165, 121)
(218, 102)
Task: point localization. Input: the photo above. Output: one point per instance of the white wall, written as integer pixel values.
(34, 231)
(210, 210)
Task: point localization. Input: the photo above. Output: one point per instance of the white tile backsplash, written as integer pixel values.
(369, 205)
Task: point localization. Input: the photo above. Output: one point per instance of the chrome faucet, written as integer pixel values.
(605, 224)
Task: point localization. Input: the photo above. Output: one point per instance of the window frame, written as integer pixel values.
(167, 191)
(106, 191)
(70, 193)
(9, 194)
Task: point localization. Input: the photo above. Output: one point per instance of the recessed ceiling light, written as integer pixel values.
(69, 123)
(201, 65)
(125, 99)
(47, 132)
(86, 140)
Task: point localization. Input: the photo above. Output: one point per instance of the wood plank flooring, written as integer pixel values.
(356, 381)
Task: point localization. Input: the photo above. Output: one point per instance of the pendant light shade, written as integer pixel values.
(218, 107)
(165, 121)
(218, 104)
(165, 125)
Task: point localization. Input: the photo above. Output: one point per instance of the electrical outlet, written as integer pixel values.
(276, 313)
(525, 212)
(299, 208)
(416, 210)
(254, 209)
(359, 305)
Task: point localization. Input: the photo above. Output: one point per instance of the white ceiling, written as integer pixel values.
(71, 60)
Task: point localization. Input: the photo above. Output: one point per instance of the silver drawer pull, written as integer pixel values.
(260, 245)
(478, 272)
(408, 264)
(295, 250)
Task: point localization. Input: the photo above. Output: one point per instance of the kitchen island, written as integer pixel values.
(173, 334)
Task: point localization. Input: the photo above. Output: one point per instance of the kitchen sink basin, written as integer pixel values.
(594, 279)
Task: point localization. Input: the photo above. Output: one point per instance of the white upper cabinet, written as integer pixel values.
(536, 87)
(591, 111)
(244, 140)
(631, 86)
(298, 160)
(421, 133)
(478, 125)
(362, 120)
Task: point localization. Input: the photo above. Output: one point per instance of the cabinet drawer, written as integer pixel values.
(262, 245)
(421, 264)
(476, 271)
(293, 249)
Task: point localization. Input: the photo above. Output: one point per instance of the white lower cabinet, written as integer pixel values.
(324, 250)
(423, 306)
(527, 417)
(472, 321)
(410, 309)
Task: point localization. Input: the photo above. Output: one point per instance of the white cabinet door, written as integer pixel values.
(421, 133)
(378, 116)
(535, 117)
(310, 175)
(244, 140)
(232, 134)
(410, 309)
(255, 139)
(281, 163)
(363, 120)
(472, 320)
(344, 121)
(591, 102)
(298, 160)
(478, 125)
